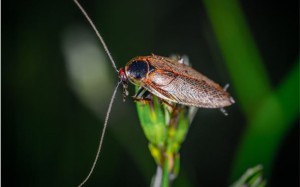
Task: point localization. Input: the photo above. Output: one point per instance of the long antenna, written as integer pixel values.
(102, 136)
(112, 97)
(98, 34)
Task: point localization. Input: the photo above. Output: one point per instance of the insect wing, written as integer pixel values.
(172, 65)
(182, 84)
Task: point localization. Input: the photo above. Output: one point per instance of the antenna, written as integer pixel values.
(102, 136)
(112, 97)
(98, 34)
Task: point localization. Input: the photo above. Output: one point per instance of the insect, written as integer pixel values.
(167, 78)
(172, 80)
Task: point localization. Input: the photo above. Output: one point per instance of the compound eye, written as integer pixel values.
(137, 69)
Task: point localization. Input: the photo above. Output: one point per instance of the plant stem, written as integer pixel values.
(165, 179)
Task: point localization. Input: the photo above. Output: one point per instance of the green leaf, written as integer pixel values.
(252, 178)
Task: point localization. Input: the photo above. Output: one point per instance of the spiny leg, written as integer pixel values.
(230, 98)
(224, 111)
(142, 95)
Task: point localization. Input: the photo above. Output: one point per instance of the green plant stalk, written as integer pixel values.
(269, 114)
(253, 177)
(165, 179)
(273, 120)
(165, 126)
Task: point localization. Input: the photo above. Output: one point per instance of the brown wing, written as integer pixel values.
(172, 65)
(181, 84)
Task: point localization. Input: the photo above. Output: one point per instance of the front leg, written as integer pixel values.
(142, 95)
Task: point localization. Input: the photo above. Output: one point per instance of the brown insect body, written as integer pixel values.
(173, 81)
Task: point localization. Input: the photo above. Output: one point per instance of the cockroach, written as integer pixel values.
(169, 79)
(172, 80)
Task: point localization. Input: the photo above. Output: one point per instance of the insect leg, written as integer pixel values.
(226, 87)
(140, 92)
(181, 60)
(224, 111)
(142, 95)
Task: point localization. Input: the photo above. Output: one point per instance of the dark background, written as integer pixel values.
(50, 127)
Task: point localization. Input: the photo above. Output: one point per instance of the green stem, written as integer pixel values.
(165, 179)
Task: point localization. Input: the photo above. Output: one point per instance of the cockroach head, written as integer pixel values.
(122, 75)
(124, 80)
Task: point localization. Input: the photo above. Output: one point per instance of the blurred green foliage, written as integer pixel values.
(269, 114)
(253, 177)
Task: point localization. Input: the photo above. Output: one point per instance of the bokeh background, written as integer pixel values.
(57, 82)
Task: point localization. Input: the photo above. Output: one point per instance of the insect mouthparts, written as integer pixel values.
(124, 80)
(122, 75)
